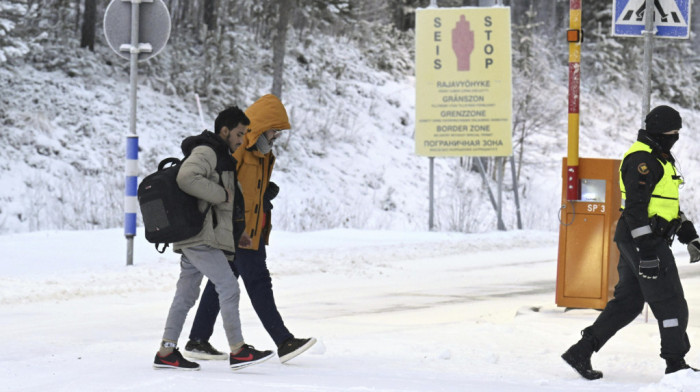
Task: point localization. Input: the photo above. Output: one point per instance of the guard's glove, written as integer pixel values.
(694, 250)
(649, 264)
(686, 232)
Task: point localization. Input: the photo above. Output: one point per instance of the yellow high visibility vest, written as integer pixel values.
(664, 197)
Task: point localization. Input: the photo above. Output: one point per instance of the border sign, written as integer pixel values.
(463, 82)
(671, 18)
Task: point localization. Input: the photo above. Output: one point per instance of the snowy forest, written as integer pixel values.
(344, 69)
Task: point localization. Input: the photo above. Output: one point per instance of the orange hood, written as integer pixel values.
(266, 113)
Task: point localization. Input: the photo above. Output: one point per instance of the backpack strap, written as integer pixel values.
(165, 246)
(171, 160)
(220, 166)
(214, 220)
(179, 162)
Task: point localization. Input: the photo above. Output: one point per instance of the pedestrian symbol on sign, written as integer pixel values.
(671, 18)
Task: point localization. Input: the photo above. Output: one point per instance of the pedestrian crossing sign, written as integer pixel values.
(671, 18)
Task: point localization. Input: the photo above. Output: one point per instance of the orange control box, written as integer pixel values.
(588, 256)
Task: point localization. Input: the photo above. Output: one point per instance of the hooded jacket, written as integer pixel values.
(255, 168)
(207, 155)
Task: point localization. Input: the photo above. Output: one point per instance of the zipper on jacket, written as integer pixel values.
(260, 196)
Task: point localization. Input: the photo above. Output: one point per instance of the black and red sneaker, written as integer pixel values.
(174, 361)
(248, 356)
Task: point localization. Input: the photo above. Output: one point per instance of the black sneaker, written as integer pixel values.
(293, 347)
(203, 350)
(174, 361)
(248, 356)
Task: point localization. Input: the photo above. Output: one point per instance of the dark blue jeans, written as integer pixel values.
(252, 267)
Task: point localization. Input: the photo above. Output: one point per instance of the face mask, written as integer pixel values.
(667, 141)
(263, 145)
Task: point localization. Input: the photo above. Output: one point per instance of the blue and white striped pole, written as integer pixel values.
(131, 204)
(132, 140)
(122, 32)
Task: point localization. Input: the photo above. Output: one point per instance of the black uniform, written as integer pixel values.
(646, 268)
(664, 294)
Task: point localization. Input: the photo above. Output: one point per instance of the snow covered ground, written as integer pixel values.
(393, 311)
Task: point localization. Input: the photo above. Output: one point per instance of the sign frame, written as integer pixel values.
(463, 82)
(672, 21)
(153, 27)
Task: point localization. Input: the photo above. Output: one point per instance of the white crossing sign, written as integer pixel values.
(671, 18)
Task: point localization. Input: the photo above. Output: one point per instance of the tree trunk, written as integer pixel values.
(184, 11)
(695, 22)
(280, 45)
(87, 36)
(404, 14)
(210, 14)
(77, 16)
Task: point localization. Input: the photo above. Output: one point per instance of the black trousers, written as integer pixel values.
(664, 296)
(252, 267)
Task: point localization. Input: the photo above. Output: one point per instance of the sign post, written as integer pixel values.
(140, 28)
(668, 19)
(574, 37)
(648, 34)
(463, 84)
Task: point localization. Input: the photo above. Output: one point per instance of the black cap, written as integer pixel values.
(663, 119)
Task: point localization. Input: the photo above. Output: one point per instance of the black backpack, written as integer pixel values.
(169, 214)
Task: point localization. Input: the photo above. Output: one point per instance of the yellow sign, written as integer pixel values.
(463, 82)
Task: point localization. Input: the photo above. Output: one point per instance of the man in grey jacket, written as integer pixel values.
(209, 174)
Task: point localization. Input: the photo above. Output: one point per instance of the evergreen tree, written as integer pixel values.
(12, 43)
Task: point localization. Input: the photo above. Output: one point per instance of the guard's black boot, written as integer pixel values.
(579, 355)
(674, 365)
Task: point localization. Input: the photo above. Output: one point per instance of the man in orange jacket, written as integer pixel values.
(268, 117)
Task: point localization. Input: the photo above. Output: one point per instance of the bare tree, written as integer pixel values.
(87, 36)
(210, 14)
(285, 8)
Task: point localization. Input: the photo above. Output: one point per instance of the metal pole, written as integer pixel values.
(499, 166)
(498, 208)
(130, 200)
(482, 171)
(572, 169)
(648, 33)
(431, 224)
(515, 192)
